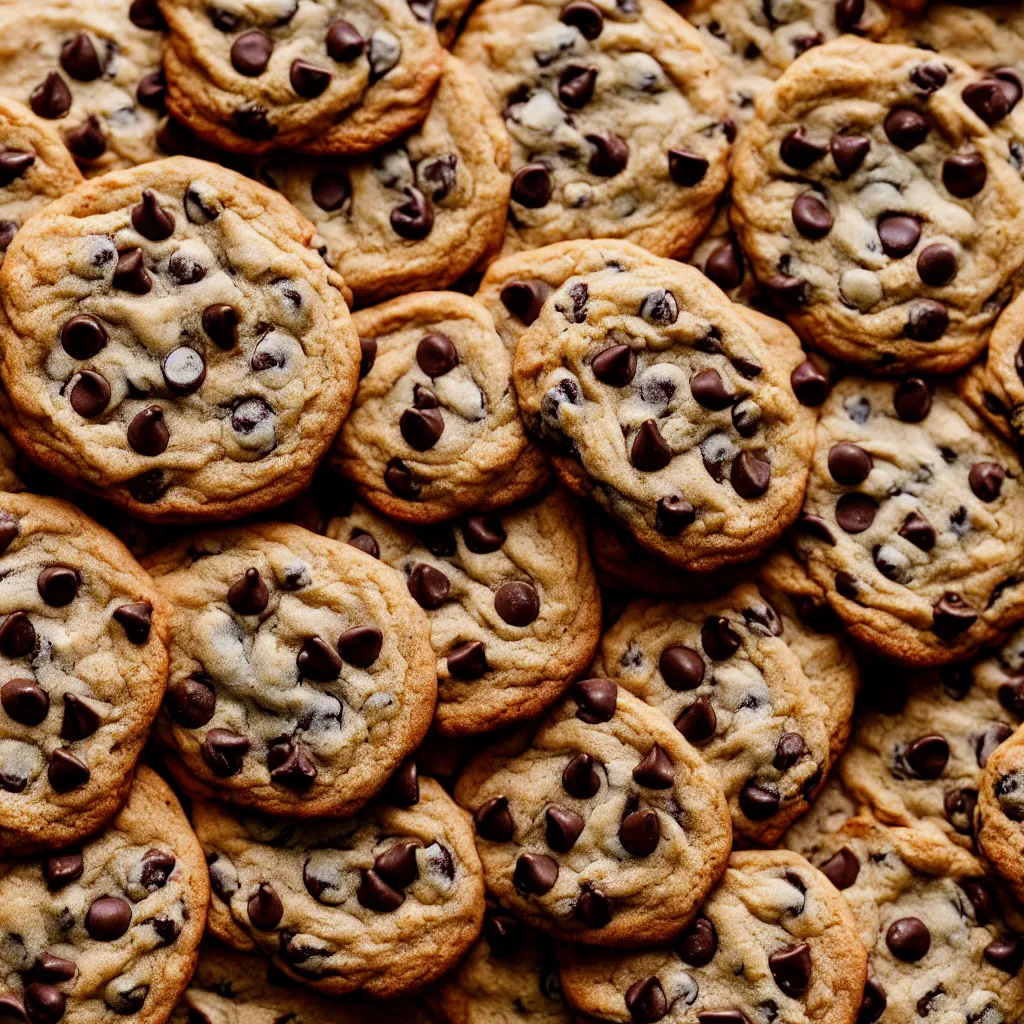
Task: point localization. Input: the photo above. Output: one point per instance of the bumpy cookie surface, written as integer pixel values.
(1001, 812)
(434, 428)
(671, 407)
(90, 70)
(83, 665)
(327, 76)
(106, 932)
(385, 901)
(616, 117)
(723, 672)
(833, 807)
(913, 520)
(775, 940)
(931, 923)
(607, 829)
(421, 213)
(301, 669)
(876, 198)
(511, 598)
(173, 342)
(717, 255)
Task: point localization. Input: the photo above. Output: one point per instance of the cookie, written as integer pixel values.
(83, 665)
(90, 72)
(833, 807)
(174, 343)
(606, 829)
(383, 902)
(301, 670)
(511, 598)
(616, 116)
(921, 743)
(985, 394)
(107, 931)
(323, 76)
(508, 977)
(722, 672)
(671, 407)
(986, 36)
(10, 464)
(912, 521)
(418, 215)
(774, 941)
(718, 256)
(931, 923)
(876, 198)
(447, 16)
(1001, 811)
(35, 168)
(434, 428)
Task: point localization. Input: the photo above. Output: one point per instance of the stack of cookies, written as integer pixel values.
(511, 512)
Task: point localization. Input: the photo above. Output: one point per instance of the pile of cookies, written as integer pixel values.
(511, 511)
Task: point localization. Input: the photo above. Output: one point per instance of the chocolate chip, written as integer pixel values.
(80, 721)
(17, 635)
(494, 820)
(147, 432)
(155, 869)
(810, 385)
(130, 273)
(220, 321)
(265, 908)
(959, 805)
(724, 266)
(535, 873)
(61, 869)
(842, 868)
(152, 91)
(791, 968)
(698, 722)
(873, 1003)
(8, 530)
(438, 175)
(964, 174)
(798, 151)
(525, 299)
(483, 534)
(504, 934)
(986, 480)
(908, 939)
(1005, 954)
(86, 141)
(145, 14)
(991, 99)
(585, 16)
(640, 832)
(646, 1000)
(317, 661)
(403, 788)
(184, 370)
(360, 645)
(517, 603)
(223, 752)
(90, 394)
(687, 169)
(759, 800)
(108, 918)
(468, 661)
(905, 128)
(52, 98)
(660, 308)
(673, 515)
(248, 595)
(191, 702)
(985, 745)
(918, 531)
(787, 293)
(913, 400)
(898, 234)
(185, 270)
(150, 219)
(429, 586)
(655, 771)
(532, 186)
(936, 265)
(290, 765)
(610, 155)
(856, 512)
(53, 969)
(397, 865)
(709, 390)
(400, 481)
(593, 908)
(790, 748)
(250, 53)
(811, 216)
(615, 366)
(926, 756)
(576, 85)
(136, 618)
(649, 452)
(927, 321)
(78, 57)
(719, 638)
(330, 190)
(750, 476)
(596, 700)
(307, 79)
(580, 777)
(82, 336)
(24, 701)
(414, 218)
(929, 78)
(848, 463)
(421, 428)
(698, 943)
(344, 43)
(681, 667)
(563, 828)
(848, 152)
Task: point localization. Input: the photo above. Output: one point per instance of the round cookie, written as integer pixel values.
(1001, 811)
(511, 598)
(913, 521)
(875, 197)
(604, 827)
(301, 670)
(421, 213)
(931, 923)
(616, 116)
(774, 941)
(671, 407)
(323, 76)
(90, 71)
(434, 428)
(510, 976)
(108, 931)
(384, 902)
(35, 167)
(920, 744)
(83, 665)
(722, 671)
(174, 343)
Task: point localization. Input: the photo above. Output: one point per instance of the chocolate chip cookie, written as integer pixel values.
(174, 343)
(603, 827)
(509, 976)
(35, 167)
(774, 941)
(447, 16)
(1001, 811)
(921, 743)
(10, 464)
(422, 212)
(434, 428)
(616, 116)
(301, 670)
(913, 519)
(83, 665)
(931, 923)
(511, 598)
(876, 197)
(90, 71)
(106, 931)
(833, 807)
(671, 407)
(384, 902)
(719, 258)
(323, 76)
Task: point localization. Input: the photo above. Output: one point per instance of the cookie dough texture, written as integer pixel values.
(90, 72)
(434, 428)
(912, 521)
(996, 386)
(301, 670)
(10, 469)
(607, 829)
(901, 255)
(832, 809)
(1001, 811)
(83, 665)
(422, 212)
(931, 923)
(617, 120)
(671, 407)
(722, 671)
(773, 933)
(384, 902)
(107, 932)
(480, 580)
(173, 342)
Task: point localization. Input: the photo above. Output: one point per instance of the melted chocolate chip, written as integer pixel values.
(413, 219)
(798, 151)
(223, 752)
(597, 699)
(856, 512)
(191, 702)
(842, 868)
(687, 169)
(468, 661)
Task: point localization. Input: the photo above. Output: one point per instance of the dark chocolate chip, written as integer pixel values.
(936, 265)
(596, 700)
(964, 174)
(17, 635)
(842, 868)
(517, 603)
(136, 618)
(147, 432)
(649, 451)
(220, 321)
(79, 720)
(563, 828)
(468, 661)
(576, 85)
(317, 661)
(360, 645)
(759, 800)
(248, 595)
(150, 219)
(927, 756)
(191, 702)
(585, 16)
(90, 394)
(798, 151)
(709, 390)
(82, 336)
(646, 1000)
(307, 79)
(108, 918)
(790, 748)
(927, 321)
(580, 777)
(640, 832)
(791, 968)
(848, 152)
(698, 722)
(535, 873)
(610, 156)
(51, 98)
(61, 869)
(811, 216)
(908, 939)
(750, 476)
(413, 219)
(525, 299)
(429, 586)
(698, 943)
(24, 701)
(810, 384)
(436, 354)
(403, 788)
(615, 366)
(66, 772)
(848, 463)
(898, 235)
(290, 765)
(344, 43)
(905, 128)
(724, 266)
(130, 273)
(687, 169)
(913, 400)
(86, 140)
(681, 667)
(494, 820)
(986, 480)
(856, 512)
(673, 515)
(250, 53)
(265, 908)
(655, 771)
(223, 752)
